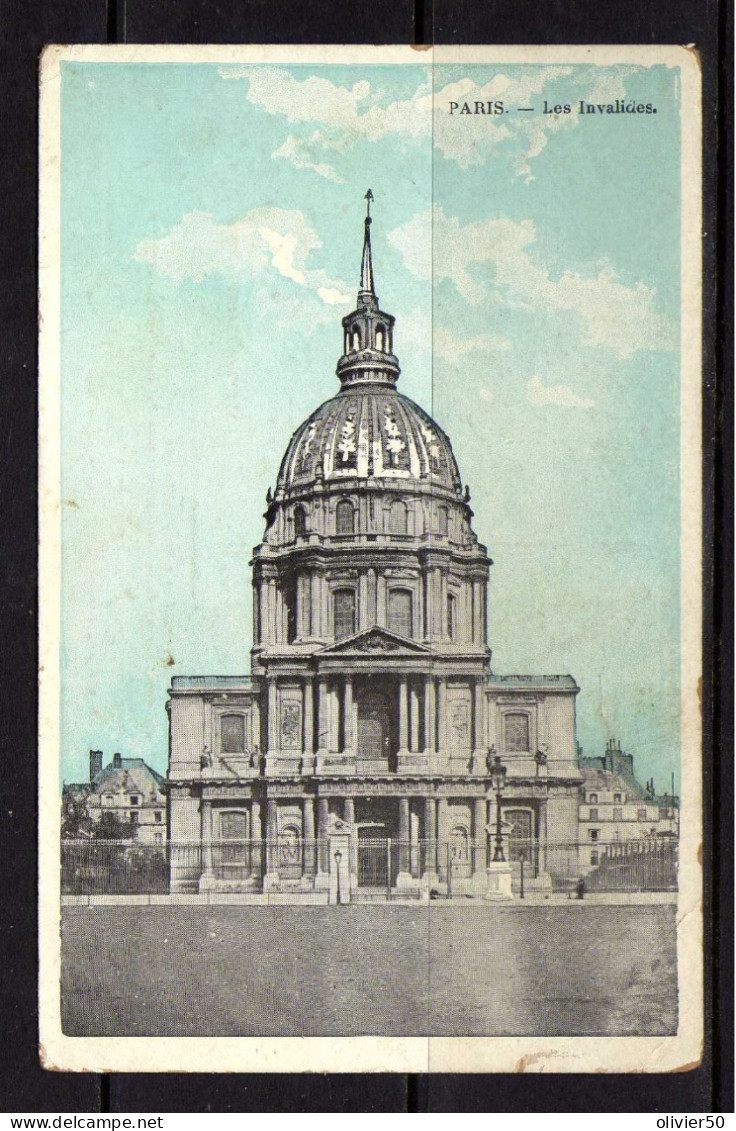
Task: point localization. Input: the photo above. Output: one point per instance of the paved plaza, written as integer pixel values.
(443, 970)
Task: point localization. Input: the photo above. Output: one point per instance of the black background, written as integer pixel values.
(25, 26)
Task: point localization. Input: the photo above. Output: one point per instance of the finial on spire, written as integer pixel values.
(367, 288)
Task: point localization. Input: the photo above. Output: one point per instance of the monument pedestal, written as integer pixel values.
(498, 876)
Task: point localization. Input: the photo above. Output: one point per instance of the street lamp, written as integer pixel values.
(338, 858)
(498, 781)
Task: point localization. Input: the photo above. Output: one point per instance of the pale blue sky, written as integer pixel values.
(212, 224)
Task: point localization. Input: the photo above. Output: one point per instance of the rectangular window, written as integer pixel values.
(593, 815)
(641, 814)
(594, 857)
(157, 816)
(664, 814)
(134, 817)
(593, 834)
(399, 611)
(232, 731)
(616, 798)
(618, 814)
(593, 799)
(158, 838)
(344, 609)
(135, 800)
(516, 733)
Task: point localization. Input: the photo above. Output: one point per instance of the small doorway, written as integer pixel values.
(459, 846)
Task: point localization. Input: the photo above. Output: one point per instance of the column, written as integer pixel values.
(256, 615)
(302, 606)
(255, 718)
(443, 605)
(414, 717)
(316, 603)
(404, 834)
(480, 860)
(308, 853)
(480, 742)
(443, 833)
(363, 602)
(271, 637)
(429, 603)
(256, 835)
(207, 837)
(271, 835)
(403, 716)
(381, 600)
(372, 596)
(542, 835)
(442, 716)
(323, 818)
(349, 818)
(478, 612)
(348, 728)
(308, 715)
(323, 715)
(430, 720)
(334, 700)
(430, 834)
(263, 610)
(273, 720)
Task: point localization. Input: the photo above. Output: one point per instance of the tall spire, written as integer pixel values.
(368, 332)
(367, 287)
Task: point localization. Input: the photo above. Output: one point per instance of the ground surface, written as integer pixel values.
(452, 970)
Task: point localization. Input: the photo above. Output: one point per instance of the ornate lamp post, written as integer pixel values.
(498, 781)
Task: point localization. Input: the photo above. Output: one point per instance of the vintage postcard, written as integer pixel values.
(371, 559)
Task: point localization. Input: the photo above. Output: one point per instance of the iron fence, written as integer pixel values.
(447, 867)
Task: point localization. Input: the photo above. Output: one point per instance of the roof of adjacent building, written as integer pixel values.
(106, 775)
(534, 682)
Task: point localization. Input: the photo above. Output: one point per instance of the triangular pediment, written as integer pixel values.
(375, 641)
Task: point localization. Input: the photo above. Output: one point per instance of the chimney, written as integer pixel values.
(95, 764)
(117, 761)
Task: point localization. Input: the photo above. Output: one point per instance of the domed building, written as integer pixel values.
(371, 710)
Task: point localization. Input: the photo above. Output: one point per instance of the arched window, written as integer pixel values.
(398, 517)
(300, 522)
(451, 618)
(516, 733)
(356, 337)
(380, 337)
(443, 518)
(400, 611)
(345, 517)
(232, 730)
(344, 613)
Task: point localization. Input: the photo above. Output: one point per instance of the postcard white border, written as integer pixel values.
(372, 1054)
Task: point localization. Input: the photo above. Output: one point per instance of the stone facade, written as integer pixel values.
(371, 698)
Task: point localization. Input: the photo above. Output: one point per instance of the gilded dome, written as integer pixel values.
(368, 431)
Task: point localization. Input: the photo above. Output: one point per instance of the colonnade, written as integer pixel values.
(421, 706)
(312, 614)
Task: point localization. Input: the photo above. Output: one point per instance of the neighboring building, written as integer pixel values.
(128, 789)
(371, 698)
(615, 808)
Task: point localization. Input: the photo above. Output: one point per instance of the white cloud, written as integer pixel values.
(540, 394)
(300, 152)
(265, 239)
(494, 261)
(345, 115)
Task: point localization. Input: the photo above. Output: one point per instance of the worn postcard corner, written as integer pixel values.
(370, 502)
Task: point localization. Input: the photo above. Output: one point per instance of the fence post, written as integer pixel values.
(388, 869)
